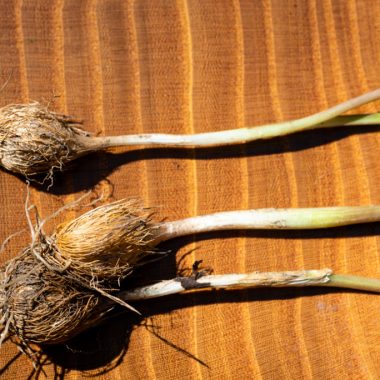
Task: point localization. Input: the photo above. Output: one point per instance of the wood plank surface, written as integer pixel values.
(184, 66)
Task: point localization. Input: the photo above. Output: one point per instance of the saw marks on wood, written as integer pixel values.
(184, 66)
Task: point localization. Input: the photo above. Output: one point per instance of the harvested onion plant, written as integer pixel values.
(34, 140)
(313, 277)
(107, 242)
(69, 281)
(44, 307)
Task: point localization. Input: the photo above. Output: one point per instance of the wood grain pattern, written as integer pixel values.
(184, 66)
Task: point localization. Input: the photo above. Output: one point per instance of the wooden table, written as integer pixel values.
(205, 65)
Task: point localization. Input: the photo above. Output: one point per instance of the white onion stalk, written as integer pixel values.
(286, 219)
(110, 240)
(323, 277)
(324, 119)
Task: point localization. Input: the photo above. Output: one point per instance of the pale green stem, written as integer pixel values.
(323, 277)
(354, 282)
(327, 118)
(230, 137)
(286, 219)
(351, 120)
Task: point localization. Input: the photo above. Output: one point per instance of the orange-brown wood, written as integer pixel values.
(183, 66)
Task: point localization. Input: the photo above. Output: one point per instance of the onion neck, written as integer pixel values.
(278, 219)
(232, 136)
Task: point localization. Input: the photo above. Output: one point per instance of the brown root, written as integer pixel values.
(63, 284)
(40, 306)
(107, 242)
(34, 140)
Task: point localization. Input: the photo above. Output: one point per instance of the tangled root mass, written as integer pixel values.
(62, 284)
(40, 306)
(34, 140)
(107, 242)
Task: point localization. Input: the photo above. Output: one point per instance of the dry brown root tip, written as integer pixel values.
(35, 141)
(197, 272)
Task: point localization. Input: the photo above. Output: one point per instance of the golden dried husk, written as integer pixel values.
(34, 140)
(107, 242)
